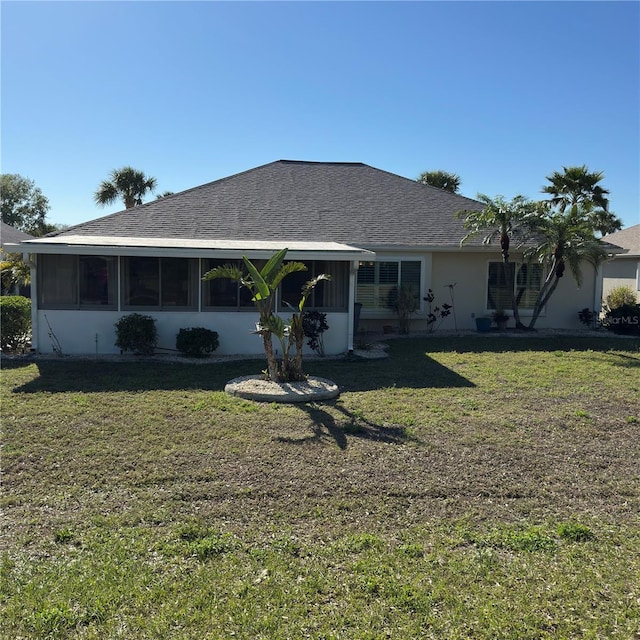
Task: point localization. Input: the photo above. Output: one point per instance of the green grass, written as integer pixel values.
(462, 488)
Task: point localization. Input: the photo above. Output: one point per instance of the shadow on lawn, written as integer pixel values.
(514, 341)
(59, 376)
(416, 371)
(325, 426)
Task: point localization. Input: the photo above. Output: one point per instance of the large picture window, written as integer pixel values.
(378, 282)
(527, 283)
(71, 282)
(167, 283)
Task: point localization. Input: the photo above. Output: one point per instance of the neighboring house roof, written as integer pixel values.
(12, 235)
(628, 239)
(341, 202)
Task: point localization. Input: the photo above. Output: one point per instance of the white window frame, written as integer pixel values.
(521, 310)
(385, 312)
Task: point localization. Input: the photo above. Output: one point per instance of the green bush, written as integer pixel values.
(15, 322)
(137, 333)
(196, 342)
(621, 297)
(624, 319)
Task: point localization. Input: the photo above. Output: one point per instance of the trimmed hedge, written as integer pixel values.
(196, 342)
(137, 333)
(15, 322)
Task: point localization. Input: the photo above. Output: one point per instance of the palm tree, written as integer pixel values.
(577, 186)
(127, 183)
(501, 219)
(262, 285)
(441, 180)
(567, 240)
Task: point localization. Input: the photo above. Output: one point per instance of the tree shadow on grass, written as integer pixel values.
(59, 376)
(415, 370)
(325, 427)
(62, 376)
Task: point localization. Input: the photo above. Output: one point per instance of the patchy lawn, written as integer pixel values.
(462, 488)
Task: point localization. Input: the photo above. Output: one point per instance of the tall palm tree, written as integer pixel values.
(127, 183)
(567, 240)
(576, 186)
(501, 219)
(441, 180)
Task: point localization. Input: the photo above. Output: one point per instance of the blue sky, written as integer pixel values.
(501, 93)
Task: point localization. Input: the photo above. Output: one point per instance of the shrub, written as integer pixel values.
(621, 297)
(624, 319)
(15, 322)
(588, 317)
(137, 333)
(315, 324)
(196, 342)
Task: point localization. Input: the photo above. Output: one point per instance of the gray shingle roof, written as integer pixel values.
(11, 234)
(350, 203)
(628, 239)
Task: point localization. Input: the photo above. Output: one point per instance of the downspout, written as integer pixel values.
(353, 271)
(31, 260)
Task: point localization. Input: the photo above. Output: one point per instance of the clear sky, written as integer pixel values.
(501, 93)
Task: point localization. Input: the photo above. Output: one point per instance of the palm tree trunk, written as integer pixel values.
(510, 276)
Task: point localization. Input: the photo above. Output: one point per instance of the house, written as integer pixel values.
(371, 230)
(624, 269)
(11, 235)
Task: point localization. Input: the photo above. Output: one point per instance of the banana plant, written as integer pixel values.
(295, 335)
(262, 284)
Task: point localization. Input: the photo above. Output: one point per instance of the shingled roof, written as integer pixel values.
(628, 239)
(343, 202)
(9, 234)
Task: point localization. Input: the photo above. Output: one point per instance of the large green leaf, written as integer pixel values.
(261, 289)
(273, 266)
(230, 271)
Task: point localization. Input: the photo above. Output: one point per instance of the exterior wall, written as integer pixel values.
(93, 332)
(621, 272)
(469, 272)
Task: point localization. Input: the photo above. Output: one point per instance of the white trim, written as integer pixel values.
(191, 248)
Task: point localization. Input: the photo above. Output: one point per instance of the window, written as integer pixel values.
(225, 293)
(97, 277)
(167, 283)
(378, 281)
(527, 283)
(71, 282)
(328, 294)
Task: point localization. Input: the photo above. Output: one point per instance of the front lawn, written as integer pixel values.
(462, 488)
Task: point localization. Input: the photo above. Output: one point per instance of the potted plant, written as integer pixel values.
(483, 324)
(500, 318)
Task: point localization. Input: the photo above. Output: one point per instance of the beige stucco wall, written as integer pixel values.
(621, 272)
(469, 272)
